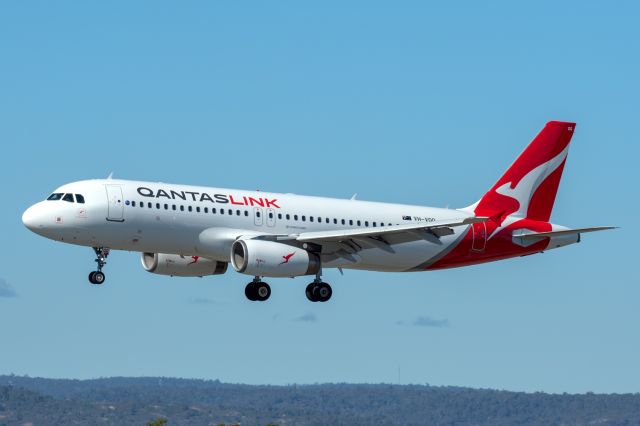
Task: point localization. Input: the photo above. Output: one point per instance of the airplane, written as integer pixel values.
(193, 231)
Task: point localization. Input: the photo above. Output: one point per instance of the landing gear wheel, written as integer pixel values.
(322, 292)
(250, 292)
(262, 291)
(318, 292)
(257, 291)
(309, 292)
(96, 277)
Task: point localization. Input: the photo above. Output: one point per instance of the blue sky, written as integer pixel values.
(399, 102)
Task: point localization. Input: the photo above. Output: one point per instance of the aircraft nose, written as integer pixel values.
(32, 217)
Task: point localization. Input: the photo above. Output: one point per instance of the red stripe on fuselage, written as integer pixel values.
(499, 246)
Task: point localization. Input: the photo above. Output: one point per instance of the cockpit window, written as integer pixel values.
(68, 197)
(55, 196)
(79, 199)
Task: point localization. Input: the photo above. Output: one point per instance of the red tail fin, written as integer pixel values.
(528, 188)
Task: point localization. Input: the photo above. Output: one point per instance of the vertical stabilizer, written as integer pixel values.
(528, 188)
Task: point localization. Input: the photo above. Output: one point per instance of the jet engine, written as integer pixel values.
(181, 266)
(272, 259)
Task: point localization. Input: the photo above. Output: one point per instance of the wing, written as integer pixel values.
(353, 240)
(437, 228)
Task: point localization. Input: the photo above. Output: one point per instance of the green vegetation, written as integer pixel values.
(160, 401)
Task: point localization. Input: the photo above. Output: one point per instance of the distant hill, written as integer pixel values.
(136, 401)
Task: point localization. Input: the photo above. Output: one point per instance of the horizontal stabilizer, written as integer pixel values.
(530, 234)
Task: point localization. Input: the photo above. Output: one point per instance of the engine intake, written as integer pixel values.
(181, 266)
(271, 259)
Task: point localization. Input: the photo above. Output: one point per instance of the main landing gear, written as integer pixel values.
(97, 277)
(318, 291)
(257, 291)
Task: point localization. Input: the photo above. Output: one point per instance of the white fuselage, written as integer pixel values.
(203, 221)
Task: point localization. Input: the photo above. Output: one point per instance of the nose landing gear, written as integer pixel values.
(97, 277)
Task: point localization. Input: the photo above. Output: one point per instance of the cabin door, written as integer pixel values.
(115, 211)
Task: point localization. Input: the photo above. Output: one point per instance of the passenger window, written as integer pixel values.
(141, 204)
(198, 209)
(181, 208)
(279, 215)
(359, 223)
(149, 205)
(288, 217)
(374, 224)
(221, 211)
(270, 215)
(68, 197)
(166, 206)
(295, 217)
(173, 207)
(343, 222)
(246, 213)
(79, 199)
(366, 223)
(351, 222)
(206, 209)
(335, 221)
(55, 197)
(190, 208)
(230, 211)
(304, 218)
(158, 206)
(310, 218)
(213, 210)
(327, 220)
(257, 214)
(133, 204)
(237, 212)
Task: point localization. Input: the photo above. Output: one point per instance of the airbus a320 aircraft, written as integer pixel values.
(196, 231)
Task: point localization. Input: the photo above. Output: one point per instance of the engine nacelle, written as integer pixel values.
(182, 266)
(272, 259)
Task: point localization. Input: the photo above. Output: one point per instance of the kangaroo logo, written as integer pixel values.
(195, 260)
(524, 190)
(287, 258)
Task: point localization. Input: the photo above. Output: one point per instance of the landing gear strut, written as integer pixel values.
(97, 277)
(318, 291)
(257, 290)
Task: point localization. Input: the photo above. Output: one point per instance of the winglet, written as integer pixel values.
(110, 176)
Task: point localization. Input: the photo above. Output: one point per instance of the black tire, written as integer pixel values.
(322, 292)
(309, 292)
(91, 280)
(250, 292)
(98, 277)
(262, 291)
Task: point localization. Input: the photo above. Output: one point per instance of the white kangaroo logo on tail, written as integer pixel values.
(526, 187)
